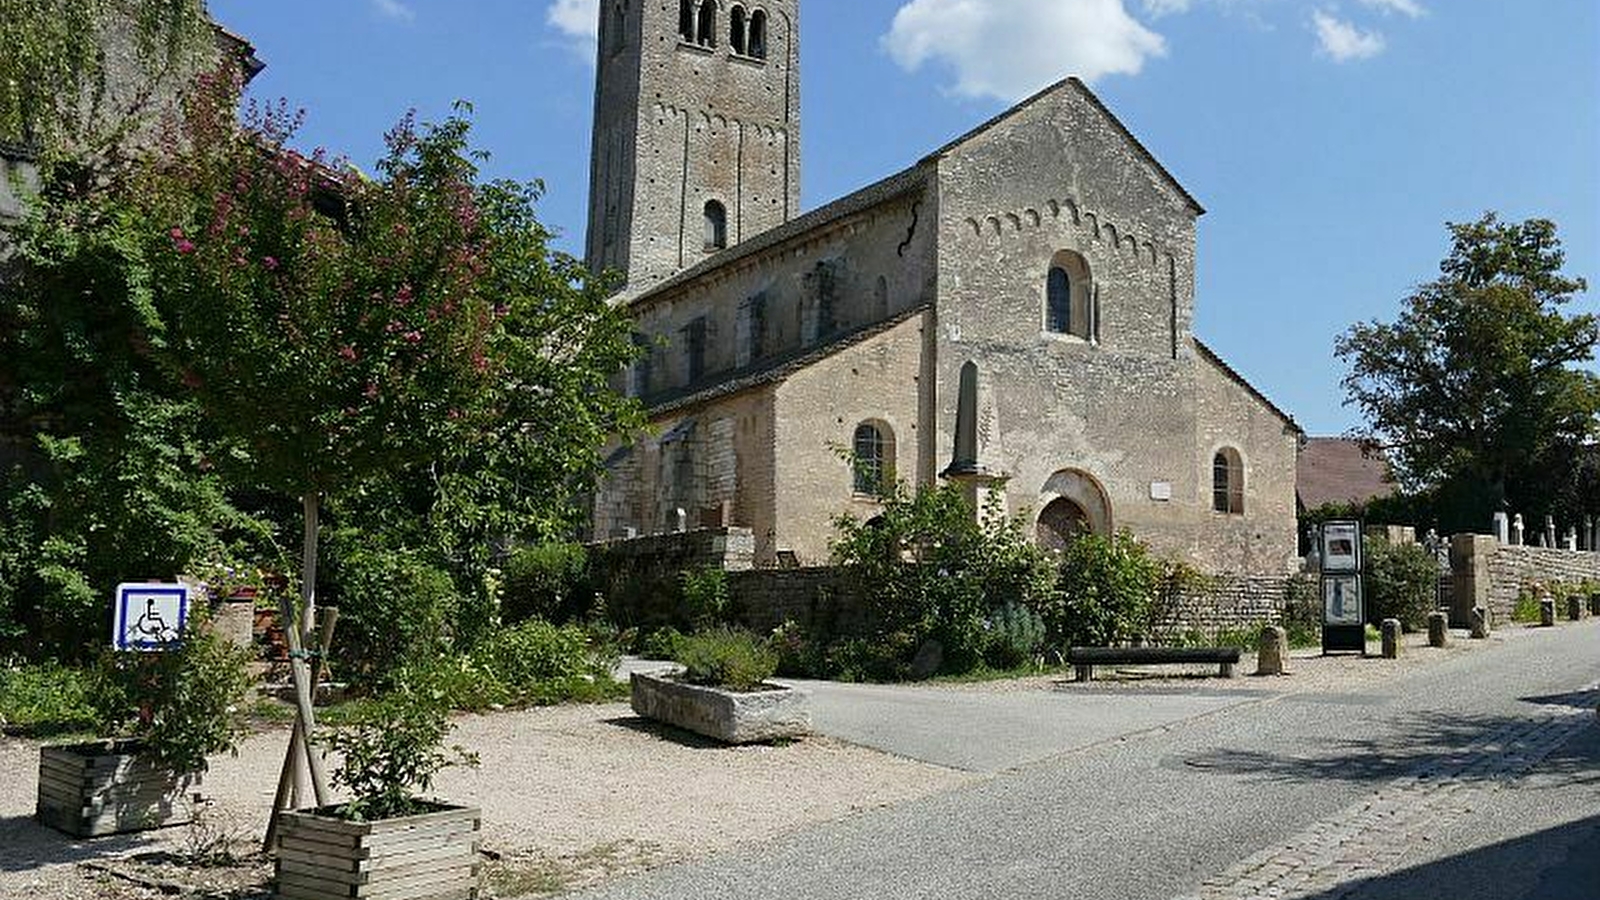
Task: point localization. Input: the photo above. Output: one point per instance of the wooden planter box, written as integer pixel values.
(771, 713)
(90, 790)
(431, 856)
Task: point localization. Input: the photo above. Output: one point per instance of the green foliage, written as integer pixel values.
(1016, 635)
(1527, 609)
(660, 643)
(880, 658)
(705, 596)
(44, 700)
(1401, 582)
(1302, 611)
(1107, 589)
(727, 658)
(546, 581)
(53, 75)
(390, 752)
(183, 705)
(1478, 390)
(932, 570)
(394, 608)
(531, 664)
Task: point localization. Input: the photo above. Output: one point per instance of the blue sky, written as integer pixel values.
(1330, 140)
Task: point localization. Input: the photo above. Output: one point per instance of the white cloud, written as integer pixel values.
(1158, 8)
(394, 9)
(578, 19)
(1409, 8)
(1010, 48)
(1343, 41)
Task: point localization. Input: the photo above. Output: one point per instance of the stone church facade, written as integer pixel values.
(1013, 312)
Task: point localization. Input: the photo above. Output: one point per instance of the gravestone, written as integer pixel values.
(1438, 630)
(1571, 542)
(680, 520)
(1502, 528)
(1272, 653)
(1549, 531)
(1392, 639)
(1518, 531)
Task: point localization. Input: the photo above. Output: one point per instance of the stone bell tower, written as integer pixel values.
(696, 131)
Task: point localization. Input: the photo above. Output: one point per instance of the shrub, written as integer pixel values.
(45, 700)
(728, 658)
(532, 664)
(1527, 610)
(1105, 593)
(546, 581)
(1016, 635)
(704, 593)
(661, 643)
(1302, 611)
(391, 750)
(1402, 582)
(933, 570)
(883, 658)
(183, 705)
(800, 654)
(394, 610)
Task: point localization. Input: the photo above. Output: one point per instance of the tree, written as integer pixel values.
(1476, 391)
(54, 79)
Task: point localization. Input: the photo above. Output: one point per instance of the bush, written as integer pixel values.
(705, 596)
(45, 700)
(183, 705)
(934, 571)
(1016, 635)
(391, 750)
(394, 610)
(726, 658)
(661, 643)
(884, 658)
(1302, 611)
(532, 664)
(1105, 593)
(547, 581)
(1402, 582)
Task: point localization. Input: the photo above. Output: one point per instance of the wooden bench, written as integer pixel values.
(1084, 659)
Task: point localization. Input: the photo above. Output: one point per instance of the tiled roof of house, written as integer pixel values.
(1340, 470)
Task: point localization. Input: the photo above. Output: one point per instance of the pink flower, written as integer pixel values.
(371, 393)
(177, 233)
(348, 352)
(404, 297)
(413, 337)
(271, 262)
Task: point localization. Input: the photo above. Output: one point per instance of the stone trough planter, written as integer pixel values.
(106, 787)
(769, 713)
(430, 856)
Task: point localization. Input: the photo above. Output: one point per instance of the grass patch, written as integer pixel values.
(44, 701)
(985, 673)
(1527, 611)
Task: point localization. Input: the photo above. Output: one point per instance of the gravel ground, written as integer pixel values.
(570, 796)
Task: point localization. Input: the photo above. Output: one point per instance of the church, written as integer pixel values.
(1012, 313)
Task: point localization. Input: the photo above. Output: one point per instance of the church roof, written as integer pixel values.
(1211, 355)
(1074, 84)
(904, 182)
(1340, 470)
(769, 371)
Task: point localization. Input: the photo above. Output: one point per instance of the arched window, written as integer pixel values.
(736, 30)
(1069, 306)
(874, 458)
(716, 225)
(756, 44)
(706, 34)
(1227, 482)
(1058, 303)
(686, 20)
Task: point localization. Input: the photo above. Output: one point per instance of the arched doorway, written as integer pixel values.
(1072, 504)
(1062, 522)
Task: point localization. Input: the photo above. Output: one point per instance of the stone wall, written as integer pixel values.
(1490, 574)
(1227, 603)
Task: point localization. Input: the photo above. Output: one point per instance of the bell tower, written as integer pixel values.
(696, 132)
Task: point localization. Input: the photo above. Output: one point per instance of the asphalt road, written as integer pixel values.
(1476, 777)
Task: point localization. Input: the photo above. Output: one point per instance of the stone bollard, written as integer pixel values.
(1594, 604)
(1272, 652)
(1391, 639)
(1574, 609)
(1480, 623)
(1547, 611)
(1438, 630)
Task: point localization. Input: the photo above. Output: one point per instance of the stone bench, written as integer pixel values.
(1084, 659)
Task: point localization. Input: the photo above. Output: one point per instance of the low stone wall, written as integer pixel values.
(1490, 574)
(820, 600)
(638, 577)
(1226, 603)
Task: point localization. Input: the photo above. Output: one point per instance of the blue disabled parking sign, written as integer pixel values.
(150, 617)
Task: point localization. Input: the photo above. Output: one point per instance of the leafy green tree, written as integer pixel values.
(1476, 391)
